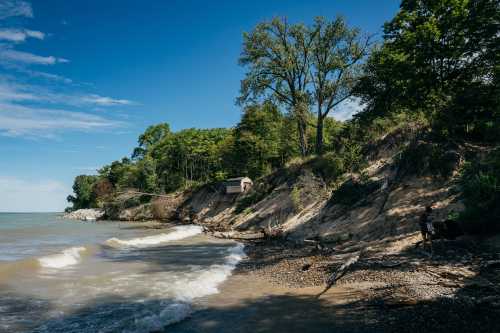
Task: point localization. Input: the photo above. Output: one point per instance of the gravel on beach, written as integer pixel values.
(456, 289)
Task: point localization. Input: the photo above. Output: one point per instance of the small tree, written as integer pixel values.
(83, 190)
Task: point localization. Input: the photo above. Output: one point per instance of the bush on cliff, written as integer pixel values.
(480, 183)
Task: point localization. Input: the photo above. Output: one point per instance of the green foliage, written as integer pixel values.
(329, 166)
(438, 68)
(352, 191)
(300, 66)
(273, 54)
(151, 137)
(421, 158)
(295, 195)
(83, 190)
(334, 58)
(480, 183)
(439, 58)
(256, 147)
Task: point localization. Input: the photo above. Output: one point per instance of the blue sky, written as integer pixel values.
(80, 80)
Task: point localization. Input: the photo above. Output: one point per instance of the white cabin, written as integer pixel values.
(238, 185)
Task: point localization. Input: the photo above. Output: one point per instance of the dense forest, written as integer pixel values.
(437, 66)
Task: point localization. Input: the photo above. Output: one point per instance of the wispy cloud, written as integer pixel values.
(10, 55)
(9, 93)
(44, 75)
(9, 8)
(20, 35)
(105, 101)
(30, 107)
(19, 120)
(14, 92)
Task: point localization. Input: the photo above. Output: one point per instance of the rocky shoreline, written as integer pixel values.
(394, 286)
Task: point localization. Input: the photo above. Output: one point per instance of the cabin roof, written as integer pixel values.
(237, 178)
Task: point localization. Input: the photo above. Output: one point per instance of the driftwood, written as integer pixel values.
(238, 235)
(340, 272)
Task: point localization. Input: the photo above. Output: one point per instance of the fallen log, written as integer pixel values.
(238, 235)
(340, 272)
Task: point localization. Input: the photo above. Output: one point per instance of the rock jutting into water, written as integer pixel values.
(90, 214)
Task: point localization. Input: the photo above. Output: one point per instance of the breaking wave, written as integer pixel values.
(180, 232)
(186, 290)
(66, 258)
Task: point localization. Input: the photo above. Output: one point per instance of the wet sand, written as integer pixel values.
(249, 303)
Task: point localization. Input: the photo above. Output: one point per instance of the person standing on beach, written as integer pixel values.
(426, 227)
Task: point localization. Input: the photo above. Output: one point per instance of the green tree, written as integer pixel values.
(83, 190)
(276, 56)
(256, 149)
(336, 55)
(146, 179)
(151, 137)
(440, 58)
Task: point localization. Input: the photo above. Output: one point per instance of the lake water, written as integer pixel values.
(68, 276)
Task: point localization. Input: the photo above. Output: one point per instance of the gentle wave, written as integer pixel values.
(206, 283)
(180, 232)
(66, 258)
(12, 267)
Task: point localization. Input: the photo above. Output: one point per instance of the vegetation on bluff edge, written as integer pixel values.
(438, 67)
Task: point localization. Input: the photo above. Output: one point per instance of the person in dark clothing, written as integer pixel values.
(426, 227)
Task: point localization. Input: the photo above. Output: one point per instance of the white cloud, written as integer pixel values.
(44, 75)
(345, 110)
(105, 101)
(10, 93)
(19, 120)
(20, 35)
(27, 58)
(21, 195)
(13, 92)
(9, 8)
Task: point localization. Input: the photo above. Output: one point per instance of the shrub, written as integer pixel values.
(257, 193)
(328, 166)
(428, 158)
(352, 191)
(295, 197)
(480, 183)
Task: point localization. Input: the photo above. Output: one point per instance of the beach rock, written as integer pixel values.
(91, 214)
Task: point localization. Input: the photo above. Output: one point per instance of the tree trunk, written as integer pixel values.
(319, 135)
(302, 136)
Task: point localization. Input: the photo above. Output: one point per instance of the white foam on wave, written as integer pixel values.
(180, 232)
(207, 281)
(66, 258)
(186, 290)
